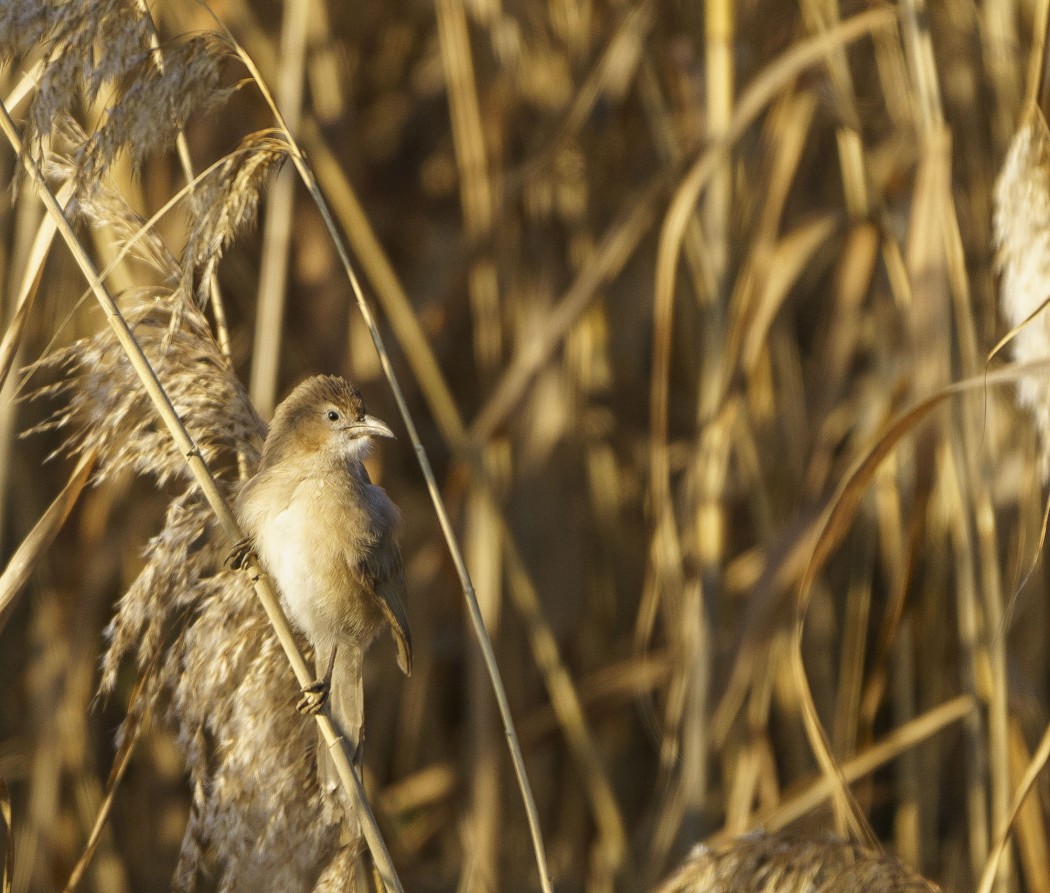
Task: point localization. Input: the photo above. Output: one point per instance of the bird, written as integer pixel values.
(329, 538)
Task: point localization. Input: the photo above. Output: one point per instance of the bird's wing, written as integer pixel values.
(384, 574)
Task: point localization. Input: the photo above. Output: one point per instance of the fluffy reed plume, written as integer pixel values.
(785, 864)
(156, 96)
(210, 664)
(69, 37)
(227, 200)
(1022, 238)
(86, 46)
(195, 629)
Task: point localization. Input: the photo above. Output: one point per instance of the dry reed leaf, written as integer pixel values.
(797, 803)
(791, 256)
(129, 736)
(27, 291)
(611, 77)
(41, 537)
(1031, 775)
(9, 838)
(21, 90)
(837, 520)
(277, 227)
(1031, 823)
(763, 89)
(1022, 239)
(615, 249)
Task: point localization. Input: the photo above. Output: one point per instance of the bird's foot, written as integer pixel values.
(240, 554)
(314, 697)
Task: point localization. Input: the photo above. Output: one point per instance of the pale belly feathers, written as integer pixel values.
(306, 548)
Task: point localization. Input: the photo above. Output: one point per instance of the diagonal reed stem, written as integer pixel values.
(199, 469)
(474, 610)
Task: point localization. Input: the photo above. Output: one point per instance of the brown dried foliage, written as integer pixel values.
(662, 274)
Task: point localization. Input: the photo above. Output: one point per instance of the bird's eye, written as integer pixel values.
(333, 416)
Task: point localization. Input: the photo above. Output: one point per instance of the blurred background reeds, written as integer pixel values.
(656, 277)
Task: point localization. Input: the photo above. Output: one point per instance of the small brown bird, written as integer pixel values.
(328, 537)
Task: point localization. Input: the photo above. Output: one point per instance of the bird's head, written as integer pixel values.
(323, 417)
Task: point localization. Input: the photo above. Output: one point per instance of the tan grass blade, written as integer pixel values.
(837, 520)
(128, 740)
(477, 186)
(27, 292)
(1009, 336)
(1037, 558)
(7, 881)
(41, 537)
(477, 191)
(619, 58)
(616, 248)
(795, 805)
(484, 819)
(1031, 831)
(1031, 775)
(23, 88)
(762, 90)
(790, 258)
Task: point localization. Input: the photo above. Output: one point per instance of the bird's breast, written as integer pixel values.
(308, 547)
(311, 535)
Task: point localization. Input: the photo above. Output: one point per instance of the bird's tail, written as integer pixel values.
(347, 708)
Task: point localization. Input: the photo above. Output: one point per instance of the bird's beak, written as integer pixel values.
(370, 426)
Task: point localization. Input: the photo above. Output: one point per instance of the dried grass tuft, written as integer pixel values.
(227, 200)
(791, 864)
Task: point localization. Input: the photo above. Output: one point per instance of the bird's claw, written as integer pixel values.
(240, 555)
(314, 697)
